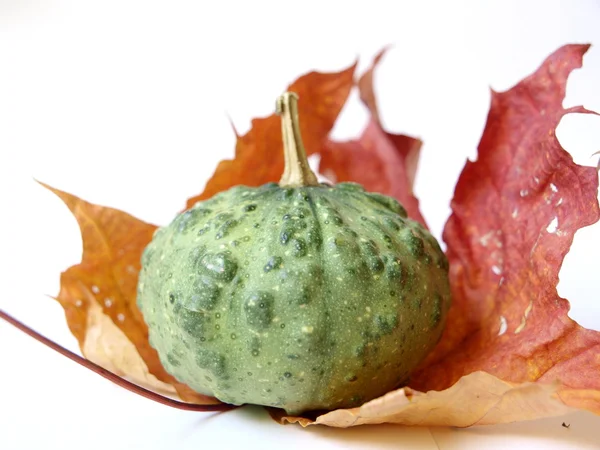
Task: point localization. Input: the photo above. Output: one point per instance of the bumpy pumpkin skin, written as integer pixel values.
(306, 298)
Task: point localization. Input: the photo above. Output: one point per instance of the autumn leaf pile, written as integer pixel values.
(509, 352)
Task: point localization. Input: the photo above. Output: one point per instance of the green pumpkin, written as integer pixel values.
(297, 295)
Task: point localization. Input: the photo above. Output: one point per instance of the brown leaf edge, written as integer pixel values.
(104, 286)
(476, 399)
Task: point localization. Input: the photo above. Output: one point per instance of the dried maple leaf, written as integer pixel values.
(382, 161)
(258, 156)
(509, 352)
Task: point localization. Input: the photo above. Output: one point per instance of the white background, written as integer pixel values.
(126, 103)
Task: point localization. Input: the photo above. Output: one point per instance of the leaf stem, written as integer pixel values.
(111, 376)
(297, 172)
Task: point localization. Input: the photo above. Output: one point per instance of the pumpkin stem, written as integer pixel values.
(297, 172)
